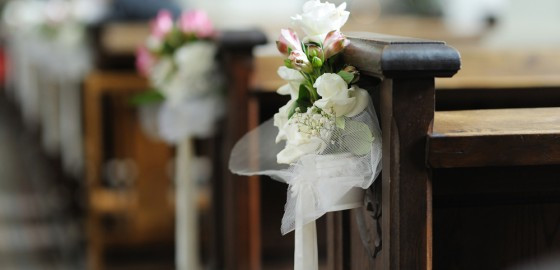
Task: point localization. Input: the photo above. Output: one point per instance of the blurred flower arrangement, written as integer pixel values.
(179, 60)
(325, 143)
(56, 20)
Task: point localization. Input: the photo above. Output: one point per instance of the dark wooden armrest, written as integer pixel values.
(392, 56)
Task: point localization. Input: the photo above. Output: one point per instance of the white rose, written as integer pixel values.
(318, 19)
(334, 94)
(281, 120)
(294, 79)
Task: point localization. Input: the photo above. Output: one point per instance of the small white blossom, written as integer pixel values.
(306, 133)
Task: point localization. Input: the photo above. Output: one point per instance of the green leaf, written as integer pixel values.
(348, 77)
(302, 102)
(303, 93)
(340, 122)
(292, 109)
(358, 137)
(147, 97)
(288, 63)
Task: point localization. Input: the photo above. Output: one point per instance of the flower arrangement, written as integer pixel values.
(325, 143)
(179, 60)
(322, 93)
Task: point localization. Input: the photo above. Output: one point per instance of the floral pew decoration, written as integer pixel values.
(325, 143)
(49, 59)
(184, 102)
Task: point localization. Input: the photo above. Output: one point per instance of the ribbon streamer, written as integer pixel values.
(187, 223)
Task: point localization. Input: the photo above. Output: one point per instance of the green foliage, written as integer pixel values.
(302, 102)
(147, 97)
(348, 77)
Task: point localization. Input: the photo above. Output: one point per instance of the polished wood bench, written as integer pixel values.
(498, 137)
(450, 178)
(472, 155)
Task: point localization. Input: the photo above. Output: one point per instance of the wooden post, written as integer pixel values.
(407, 213)
(241, 195)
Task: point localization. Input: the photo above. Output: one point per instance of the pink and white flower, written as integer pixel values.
(288, 40)
(162, 24)
(334, 43)
(196, 22)
(299, 61)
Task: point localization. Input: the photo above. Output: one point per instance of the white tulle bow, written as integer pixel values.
(321, 184)
(332, 180)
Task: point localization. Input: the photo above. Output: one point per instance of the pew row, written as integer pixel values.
(480, 144)
(488, 145)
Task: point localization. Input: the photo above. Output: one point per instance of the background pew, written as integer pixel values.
(128, 175)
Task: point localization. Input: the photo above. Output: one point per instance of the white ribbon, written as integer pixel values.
(322, 183)
(186, 213)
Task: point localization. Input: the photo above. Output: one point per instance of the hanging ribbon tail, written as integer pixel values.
(305, 253)
(187, 253)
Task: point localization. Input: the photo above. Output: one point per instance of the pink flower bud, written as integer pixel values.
(288, 39)
(144, 60)
(162, 24)
(197, 22)
(334, 43)
(300, 62)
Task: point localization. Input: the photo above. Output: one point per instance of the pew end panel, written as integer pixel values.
(140, 212)
(237, 198)
(406, 69)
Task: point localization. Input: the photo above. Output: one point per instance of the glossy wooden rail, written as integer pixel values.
(504, 137)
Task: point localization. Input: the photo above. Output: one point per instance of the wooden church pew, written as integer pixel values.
(136, 211)
(490, 159)
(238, 198)
(496, 185)
(407, 68)
(224, 245)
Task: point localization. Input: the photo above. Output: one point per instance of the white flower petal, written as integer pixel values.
(285, 89)
(362, 100)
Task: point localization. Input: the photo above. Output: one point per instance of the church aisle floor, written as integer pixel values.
(38, 225)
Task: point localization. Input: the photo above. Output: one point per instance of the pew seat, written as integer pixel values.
(498, 137)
